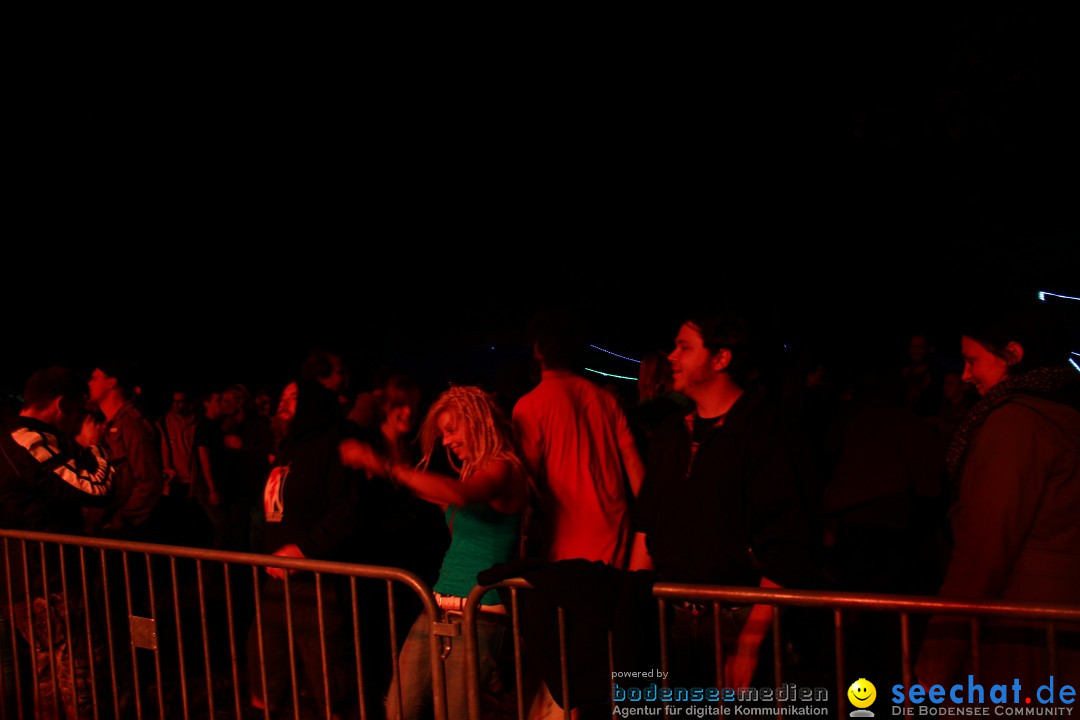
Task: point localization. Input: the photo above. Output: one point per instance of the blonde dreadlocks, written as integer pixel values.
(487, 431)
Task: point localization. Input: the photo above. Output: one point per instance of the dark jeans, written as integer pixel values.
(307, 644)
(65, 662)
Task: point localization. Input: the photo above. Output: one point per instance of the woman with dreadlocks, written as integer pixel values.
(483, 508)
(1015, 462)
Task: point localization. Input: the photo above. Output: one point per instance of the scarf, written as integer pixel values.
(1041, 382)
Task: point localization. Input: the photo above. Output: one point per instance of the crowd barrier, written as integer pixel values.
(116, 628)
(183, 614)
(903, 606)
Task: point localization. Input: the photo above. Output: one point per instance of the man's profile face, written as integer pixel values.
(286, 410)
(230, 404)
(691, 362)
(100, 384)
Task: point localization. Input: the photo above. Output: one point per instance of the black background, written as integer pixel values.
(844, 175)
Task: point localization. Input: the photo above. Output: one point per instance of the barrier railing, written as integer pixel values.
(722, 596)
(71, 603)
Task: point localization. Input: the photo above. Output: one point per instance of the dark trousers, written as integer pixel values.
(307, 644)
(692, 646)
(65, 663)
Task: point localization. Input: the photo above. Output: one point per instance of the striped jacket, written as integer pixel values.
(43, 485)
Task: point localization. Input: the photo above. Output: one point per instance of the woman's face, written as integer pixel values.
(453, 434)
(982, 368)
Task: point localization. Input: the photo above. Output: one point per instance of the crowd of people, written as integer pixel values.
(961, 479)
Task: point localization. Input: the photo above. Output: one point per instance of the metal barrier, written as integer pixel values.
(723, 596)
(64, 591)
(62, 594)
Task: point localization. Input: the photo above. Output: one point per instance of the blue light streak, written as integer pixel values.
(597, 347)
(1043, 295)
(621, 377)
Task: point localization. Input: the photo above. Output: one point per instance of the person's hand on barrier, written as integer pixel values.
(361, 456)
(288, 551)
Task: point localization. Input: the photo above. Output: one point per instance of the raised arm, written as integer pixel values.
(498, 483)
(85, 479)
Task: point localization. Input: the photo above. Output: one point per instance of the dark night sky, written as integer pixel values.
(843, 174)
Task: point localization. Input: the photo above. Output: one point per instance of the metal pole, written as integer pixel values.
(322, 644)
(91, 660)
(157, 650)
(519, 675)
(838, 638)
(356, 646)
(205, 636)
(14, 631)
(179, 635)
(136, 690)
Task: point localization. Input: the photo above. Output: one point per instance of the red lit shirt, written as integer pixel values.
(570, 432)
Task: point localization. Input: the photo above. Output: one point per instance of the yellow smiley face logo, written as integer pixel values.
(862, 693)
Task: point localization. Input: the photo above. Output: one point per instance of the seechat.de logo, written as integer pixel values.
(862, 695)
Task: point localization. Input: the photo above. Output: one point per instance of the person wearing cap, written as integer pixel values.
(133, 447)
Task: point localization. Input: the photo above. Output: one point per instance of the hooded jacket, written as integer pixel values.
(1016, 537)
(310, 499)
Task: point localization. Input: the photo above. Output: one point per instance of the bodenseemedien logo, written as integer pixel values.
(862, 695)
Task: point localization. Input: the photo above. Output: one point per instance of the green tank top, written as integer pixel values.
(479, 538)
